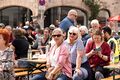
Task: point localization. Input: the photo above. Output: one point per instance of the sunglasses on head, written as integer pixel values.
(57, 35)
(72, 33)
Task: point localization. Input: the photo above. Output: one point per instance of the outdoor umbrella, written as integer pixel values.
(114, 18)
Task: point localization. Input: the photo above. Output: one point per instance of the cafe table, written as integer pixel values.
(35, 64)
(35, 50)
(113, 66)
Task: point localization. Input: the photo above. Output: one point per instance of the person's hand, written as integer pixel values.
(92, 65)
(16, 63)
(50, 76)
(92, 52)
(48, 65)
(50, 69)
(78, 71)
(99, 53)
(31, 37)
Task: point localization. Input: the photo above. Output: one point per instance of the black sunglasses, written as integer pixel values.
(57, 35)
(72, 33)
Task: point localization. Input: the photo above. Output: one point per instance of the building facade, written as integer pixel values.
(14, 11)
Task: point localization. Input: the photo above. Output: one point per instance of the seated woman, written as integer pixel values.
(58, 60)
(6, 57)
(20, 44)
(79, 61)
(98, 53)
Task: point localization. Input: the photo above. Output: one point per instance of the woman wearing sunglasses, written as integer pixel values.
(80, 65)
(58, 60)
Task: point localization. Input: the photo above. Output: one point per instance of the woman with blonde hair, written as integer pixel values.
(79, 61)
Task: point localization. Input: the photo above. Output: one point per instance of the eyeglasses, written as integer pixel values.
(72, 33)
(57, 35)
(74, 15)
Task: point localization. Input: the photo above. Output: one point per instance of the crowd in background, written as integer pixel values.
(79, 53)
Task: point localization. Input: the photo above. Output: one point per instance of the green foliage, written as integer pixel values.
(88, 2)
(94, 7)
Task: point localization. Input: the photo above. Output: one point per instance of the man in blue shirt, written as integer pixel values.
(69, 20)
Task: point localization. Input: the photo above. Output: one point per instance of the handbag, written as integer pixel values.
(55, 75)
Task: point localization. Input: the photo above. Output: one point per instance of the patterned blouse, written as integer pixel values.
(7, 64)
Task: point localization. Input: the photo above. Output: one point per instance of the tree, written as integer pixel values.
(94, 8)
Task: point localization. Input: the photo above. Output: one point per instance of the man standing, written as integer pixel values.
(69, 20)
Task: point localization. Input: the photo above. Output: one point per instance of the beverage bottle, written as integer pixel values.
(39, 44)
(29, 53)
(46, 49)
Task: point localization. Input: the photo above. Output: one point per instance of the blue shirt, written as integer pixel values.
(65, 24)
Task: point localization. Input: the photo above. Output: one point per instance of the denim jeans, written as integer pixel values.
(86, 72)
(42, 77)
(39, 76)
(82, 76)
(63, 77)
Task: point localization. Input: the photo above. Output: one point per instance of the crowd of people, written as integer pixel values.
(75, 53)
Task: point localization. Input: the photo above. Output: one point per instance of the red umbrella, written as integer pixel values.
(114, 18)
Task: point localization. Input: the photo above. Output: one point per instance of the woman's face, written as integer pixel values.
(57, 36)
(97, 38)
(46, 32)
(73, 35)
(90, 33)
(95, 26)
(82, 32)
(2, 41)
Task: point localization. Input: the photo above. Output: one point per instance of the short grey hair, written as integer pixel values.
(72, 11)
(84, 28)
(94, 22)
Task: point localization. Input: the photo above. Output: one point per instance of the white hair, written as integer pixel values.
(94, 22)
(76, 30)
(59, 30)
(83, 28)
(72, 11)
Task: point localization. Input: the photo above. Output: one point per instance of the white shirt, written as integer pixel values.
(54, 56)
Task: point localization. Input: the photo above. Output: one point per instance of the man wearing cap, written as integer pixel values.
(51, 27)
(69, 20)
